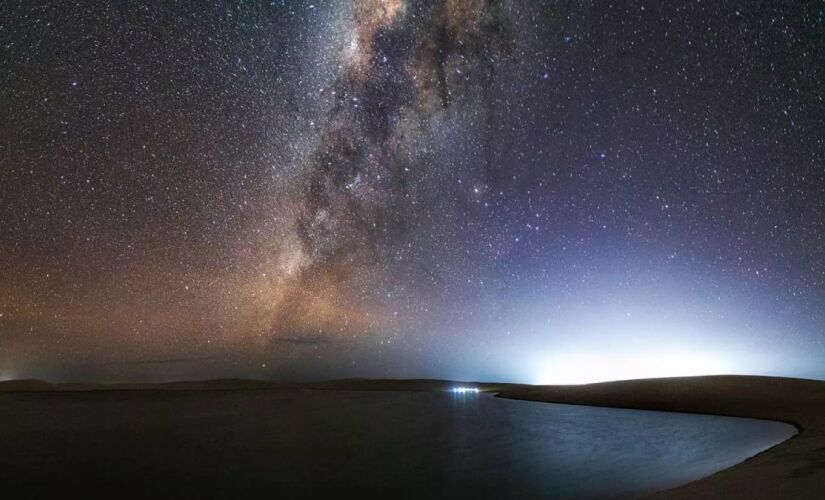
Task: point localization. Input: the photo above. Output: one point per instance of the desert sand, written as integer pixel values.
(226, 384)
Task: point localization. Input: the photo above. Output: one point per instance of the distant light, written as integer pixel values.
(589, 367)
(464, 390)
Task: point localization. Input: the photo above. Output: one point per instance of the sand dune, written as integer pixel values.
(365, 384)
(34, 385)
(27, 385)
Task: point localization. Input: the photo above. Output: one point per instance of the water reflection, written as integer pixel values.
(319, 443)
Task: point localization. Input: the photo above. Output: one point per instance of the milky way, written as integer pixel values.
(402, 70)
(456, 188)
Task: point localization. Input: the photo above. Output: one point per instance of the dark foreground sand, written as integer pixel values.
(794, 469)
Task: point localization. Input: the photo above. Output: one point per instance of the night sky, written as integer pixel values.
(532, 191)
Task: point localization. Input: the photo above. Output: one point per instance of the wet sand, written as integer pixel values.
(792, 469)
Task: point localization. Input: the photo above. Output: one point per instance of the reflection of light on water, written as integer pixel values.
(586, 368)
(464, 390)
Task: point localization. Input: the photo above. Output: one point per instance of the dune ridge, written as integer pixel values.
(36, 385)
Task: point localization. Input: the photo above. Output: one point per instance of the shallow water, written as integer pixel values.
(287, 444)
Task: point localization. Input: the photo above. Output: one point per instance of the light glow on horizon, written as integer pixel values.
(465, 390)
(588, 368)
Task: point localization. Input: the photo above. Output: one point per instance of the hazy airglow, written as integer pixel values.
(591, 367)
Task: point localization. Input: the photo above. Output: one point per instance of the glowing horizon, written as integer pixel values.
(591, 367)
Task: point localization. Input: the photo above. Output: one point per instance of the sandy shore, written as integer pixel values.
(793, 469)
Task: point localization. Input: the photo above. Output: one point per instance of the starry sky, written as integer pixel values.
(537, 191)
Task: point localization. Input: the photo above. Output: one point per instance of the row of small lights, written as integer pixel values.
(463, 390)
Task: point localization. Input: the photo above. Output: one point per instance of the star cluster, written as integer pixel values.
(457, 188)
